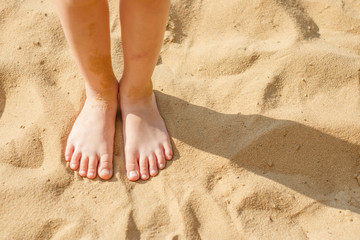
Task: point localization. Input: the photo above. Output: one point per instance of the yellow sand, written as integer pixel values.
(261, 99)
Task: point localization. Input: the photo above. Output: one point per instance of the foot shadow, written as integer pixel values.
(302, 158)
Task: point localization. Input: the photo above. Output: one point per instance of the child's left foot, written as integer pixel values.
(146, 140)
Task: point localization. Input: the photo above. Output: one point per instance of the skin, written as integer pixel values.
(90, 143)
(147, 143)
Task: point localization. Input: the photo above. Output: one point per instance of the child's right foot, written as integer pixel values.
(91, 141)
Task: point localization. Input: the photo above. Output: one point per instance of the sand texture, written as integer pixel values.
(261, 99)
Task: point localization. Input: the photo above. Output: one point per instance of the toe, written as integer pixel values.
(168, 150)
(68, 152)
(132, 167)
(105, 169)
(83, 166)
(160, 159)
(153, 165)
(93, 162)
(144, 167)
(75, 158)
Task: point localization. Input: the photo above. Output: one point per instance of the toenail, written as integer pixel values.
(143, 176)
(73, 165)
(162, 165)
(153, 172)
(82, 172)
(67, 157)
(105, 172)
(133, 174)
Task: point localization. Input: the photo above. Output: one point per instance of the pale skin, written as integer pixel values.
(90, 144)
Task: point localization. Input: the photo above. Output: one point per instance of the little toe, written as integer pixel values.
(105, 169)
(132, 167)
(144, 167)
(75, 158)
(91, 172)
(68, 152)
(153, 165)
(168, 150)
(83, 166)
(160, 159)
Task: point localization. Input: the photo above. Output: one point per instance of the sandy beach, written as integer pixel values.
(262, 102)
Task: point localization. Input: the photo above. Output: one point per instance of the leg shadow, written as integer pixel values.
(283, 151)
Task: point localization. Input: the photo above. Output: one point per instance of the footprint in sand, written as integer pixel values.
(20, 108)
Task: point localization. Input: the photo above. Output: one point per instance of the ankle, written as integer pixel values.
(108, 94)
(135, 93)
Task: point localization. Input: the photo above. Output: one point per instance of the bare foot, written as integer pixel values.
(91, 141)
(147, 142)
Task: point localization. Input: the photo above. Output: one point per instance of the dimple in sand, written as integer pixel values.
(90, 144)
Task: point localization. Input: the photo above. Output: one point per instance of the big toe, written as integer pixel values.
(105, 169)
(132, 168)
(168, 150)
(68, 152)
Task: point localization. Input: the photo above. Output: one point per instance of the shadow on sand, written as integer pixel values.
(254, 142)
(2, 97)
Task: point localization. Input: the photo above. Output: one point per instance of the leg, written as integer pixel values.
(147, 143)
(90, 143)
